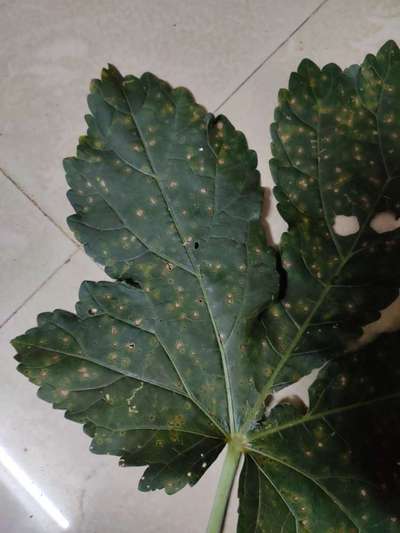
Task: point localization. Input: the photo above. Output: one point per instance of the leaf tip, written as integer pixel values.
(389, 46)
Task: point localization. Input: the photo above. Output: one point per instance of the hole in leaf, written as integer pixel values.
(131, 346)
(346, 225)
(296, 393)
(196, 245)
(384, 222)
(92, 311)
(388, 322)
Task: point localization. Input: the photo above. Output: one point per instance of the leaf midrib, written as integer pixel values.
(154, 427)
(260, 473)
(125, 373)
(322, 414)
(196, 271)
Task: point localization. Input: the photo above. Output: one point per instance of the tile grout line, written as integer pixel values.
(33, 202)
(264, 61)
(44, 282)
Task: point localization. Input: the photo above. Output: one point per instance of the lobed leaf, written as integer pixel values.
(183, 352)
(334, 468)
(331, 159)
(159, 366)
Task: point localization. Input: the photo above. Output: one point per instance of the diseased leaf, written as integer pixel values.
(168, 197)
(160, 366)
(186, 350)
(336, 467)
(330, 160)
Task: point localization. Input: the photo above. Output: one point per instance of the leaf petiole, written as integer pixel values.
(223, 492)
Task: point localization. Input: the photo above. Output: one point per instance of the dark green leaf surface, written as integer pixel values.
(182, 351)
(331, 159)
(335, 469)
(160, 366)
(169, 197)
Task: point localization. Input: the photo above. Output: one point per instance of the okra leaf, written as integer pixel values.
(160, 365)
(191, 345)
(334, 468)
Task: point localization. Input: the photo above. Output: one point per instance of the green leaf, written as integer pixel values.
(334, 468)
(159, 366)
(330, 159)
(186, 350)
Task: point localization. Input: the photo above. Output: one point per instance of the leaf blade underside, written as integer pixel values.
(157, 365)
(162, 365)
(335, 284)
(334, 468)
(337, 466)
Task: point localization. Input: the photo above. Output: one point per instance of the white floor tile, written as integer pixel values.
(50, 51)
(342, 32)
(31, 248)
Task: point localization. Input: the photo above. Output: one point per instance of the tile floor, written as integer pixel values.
(234, 55)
